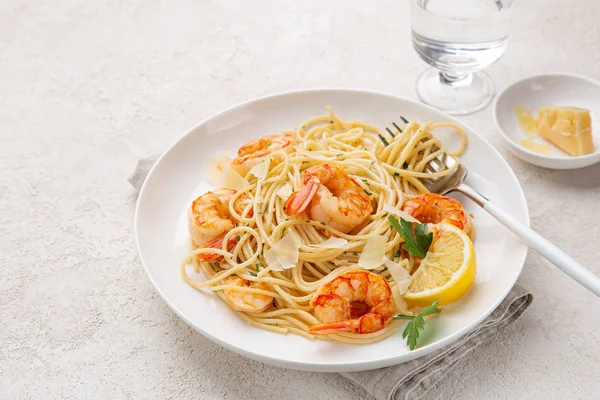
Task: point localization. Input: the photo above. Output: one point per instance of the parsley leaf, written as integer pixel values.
(417, 323)
(258, 265)
(417, 242)
(252, 273)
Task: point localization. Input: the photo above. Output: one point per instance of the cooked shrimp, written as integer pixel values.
(258, 150)
(431, 208)
(246, 301)
(209, 219)
(331, 197)
(357, 301)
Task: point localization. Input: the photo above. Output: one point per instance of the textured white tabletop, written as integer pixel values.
(87, 88)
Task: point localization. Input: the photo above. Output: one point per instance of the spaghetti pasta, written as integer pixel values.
(385, 174)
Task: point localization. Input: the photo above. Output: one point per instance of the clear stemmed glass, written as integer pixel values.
(458, 38)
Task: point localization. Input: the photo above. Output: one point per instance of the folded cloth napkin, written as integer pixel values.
(412, 380)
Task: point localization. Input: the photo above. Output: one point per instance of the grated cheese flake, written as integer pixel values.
(399, 274)
(284, 254)
(229, 178)
(260, 170)
(373, 253)
(399, 213)
(285, 191)
(332, 243)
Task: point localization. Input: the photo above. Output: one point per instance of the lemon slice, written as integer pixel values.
(447, 271)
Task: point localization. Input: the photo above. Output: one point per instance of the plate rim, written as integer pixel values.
(329, 366)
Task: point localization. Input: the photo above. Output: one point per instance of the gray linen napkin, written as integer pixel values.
(412, 380)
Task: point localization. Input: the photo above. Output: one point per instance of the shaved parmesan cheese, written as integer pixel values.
(399, 213)
(332, 243)
(260, 170)
(397, 271)
(272, 260)
(399, 274)
(373, 253)
(284, 254)
(214, 166)
(231, 179)
(401, 304)
(285, 191)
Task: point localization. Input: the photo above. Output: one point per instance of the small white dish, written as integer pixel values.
(180, 175)
(548, 90)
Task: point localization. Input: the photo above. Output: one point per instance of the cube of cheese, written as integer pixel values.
(569, 128)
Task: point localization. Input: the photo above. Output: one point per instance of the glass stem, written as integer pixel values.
(456, 78)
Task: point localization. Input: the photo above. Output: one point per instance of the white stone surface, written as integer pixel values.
(87, 88)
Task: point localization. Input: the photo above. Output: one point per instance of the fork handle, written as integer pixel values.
(552, 253)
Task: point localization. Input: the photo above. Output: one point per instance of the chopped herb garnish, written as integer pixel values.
(383, 270)
(384, 215)
(417, 242)
(405, 165)
(283, 231)
(372, 162)
(367, 192)
(323, 223)
(259, 265)
(339, 155)
(252, 273)
(260, 212)
(355, 254)
(417, 323)
(397, 253)
(396, 173)
(217, 264)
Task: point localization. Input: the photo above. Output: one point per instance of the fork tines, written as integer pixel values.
(438, 164)
(391, 133)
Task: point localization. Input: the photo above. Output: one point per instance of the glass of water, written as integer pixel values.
(458, 38)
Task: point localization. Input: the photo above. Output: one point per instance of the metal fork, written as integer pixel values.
(455, 182)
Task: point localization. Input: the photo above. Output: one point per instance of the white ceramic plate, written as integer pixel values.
(179, 176)
(548, 90)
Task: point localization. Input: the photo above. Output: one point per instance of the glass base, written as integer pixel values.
(455, 94)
